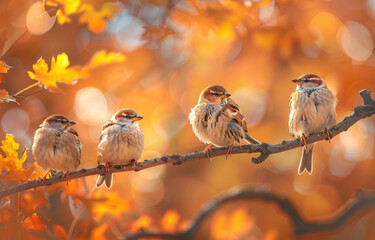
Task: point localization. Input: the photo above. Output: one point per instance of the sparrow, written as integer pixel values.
(56, 145)
(217, 121)
(312, 109)
(121, 142)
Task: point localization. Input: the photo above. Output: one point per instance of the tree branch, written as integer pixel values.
(265, 149)
(301, 227)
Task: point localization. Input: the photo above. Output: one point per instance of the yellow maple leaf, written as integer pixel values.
(102, 57)
(97, 20)
(62, 73)
(58, 72)
(66, 8)
(11, 160)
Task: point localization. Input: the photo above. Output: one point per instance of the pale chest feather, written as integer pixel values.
(211, 124)
(55, 149)
(311, 110)
(120, 143)
(200, 117)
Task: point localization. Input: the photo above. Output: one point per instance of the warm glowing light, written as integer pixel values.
(16, 121)
(356, 41)
(38, 21)
(90, 106)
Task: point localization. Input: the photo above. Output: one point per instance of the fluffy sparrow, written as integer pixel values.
(217, 121)
(121, 142)
(56, 145)
(312, 109)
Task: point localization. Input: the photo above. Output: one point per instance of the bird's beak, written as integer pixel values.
(297, 81)
(71, 123)
(137, 118)
(225, 95)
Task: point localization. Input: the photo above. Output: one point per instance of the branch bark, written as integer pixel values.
(301, 227)
(265, 149)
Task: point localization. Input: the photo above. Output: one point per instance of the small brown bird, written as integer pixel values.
(312, 109)
(56, 145)
(215, 121)
(121, 142)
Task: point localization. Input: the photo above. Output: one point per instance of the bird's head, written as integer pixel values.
(309, 80)
(214, 94)
(57, 122)
(126, 115)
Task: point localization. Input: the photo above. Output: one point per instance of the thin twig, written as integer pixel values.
(25, 89)
(264, 149)
(301, 226)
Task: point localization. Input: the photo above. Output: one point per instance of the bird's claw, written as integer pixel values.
(329, 134)
(107, 165)
(229, 152)
(303, 139)
(207, 152)
(43, 179)
(133, 163)
(67, 176)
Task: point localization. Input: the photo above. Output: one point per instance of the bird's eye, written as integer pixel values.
(307, 80)
(215, 94)
(128, 117)
(235, 120)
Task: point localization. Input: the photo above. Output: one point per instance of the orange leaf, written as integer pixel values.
(59, 231)
(102, 57)
(4, 96)
(142, 222)
(66, 8)
(270, 234)
(33, 222)
(58, 72)
(170, 220)
(112, 204)
(232, 225)
(100, 232)
(97, 20)
(4, 67)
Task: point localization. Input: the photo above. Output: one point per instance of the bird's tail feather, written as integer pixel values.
(106, 179)
(251, 140)
(306, 159)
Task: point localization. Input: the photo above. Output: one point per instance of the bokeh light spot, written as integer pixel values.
(90, 106)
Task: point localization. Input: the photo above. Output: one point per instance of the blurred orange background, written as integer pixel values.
(173, 50)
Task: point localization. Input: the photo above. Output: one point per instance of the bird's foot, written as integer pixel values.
(133, 163)
(329, 134)
(43, 179)
(229, 152)
(303, 139)
(107, 165)
(207, 152)
(67, 176)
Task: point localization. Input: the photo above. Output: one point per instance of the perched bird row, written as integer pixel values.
(216, 120)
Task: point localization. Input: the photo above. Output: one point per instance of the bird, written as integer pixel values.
(121, 142)
(56, 146)
(312, 109)
(237, 116)
(215, 120)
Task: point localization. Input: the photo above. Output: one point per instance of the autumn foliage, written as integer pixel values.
(85, 59)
